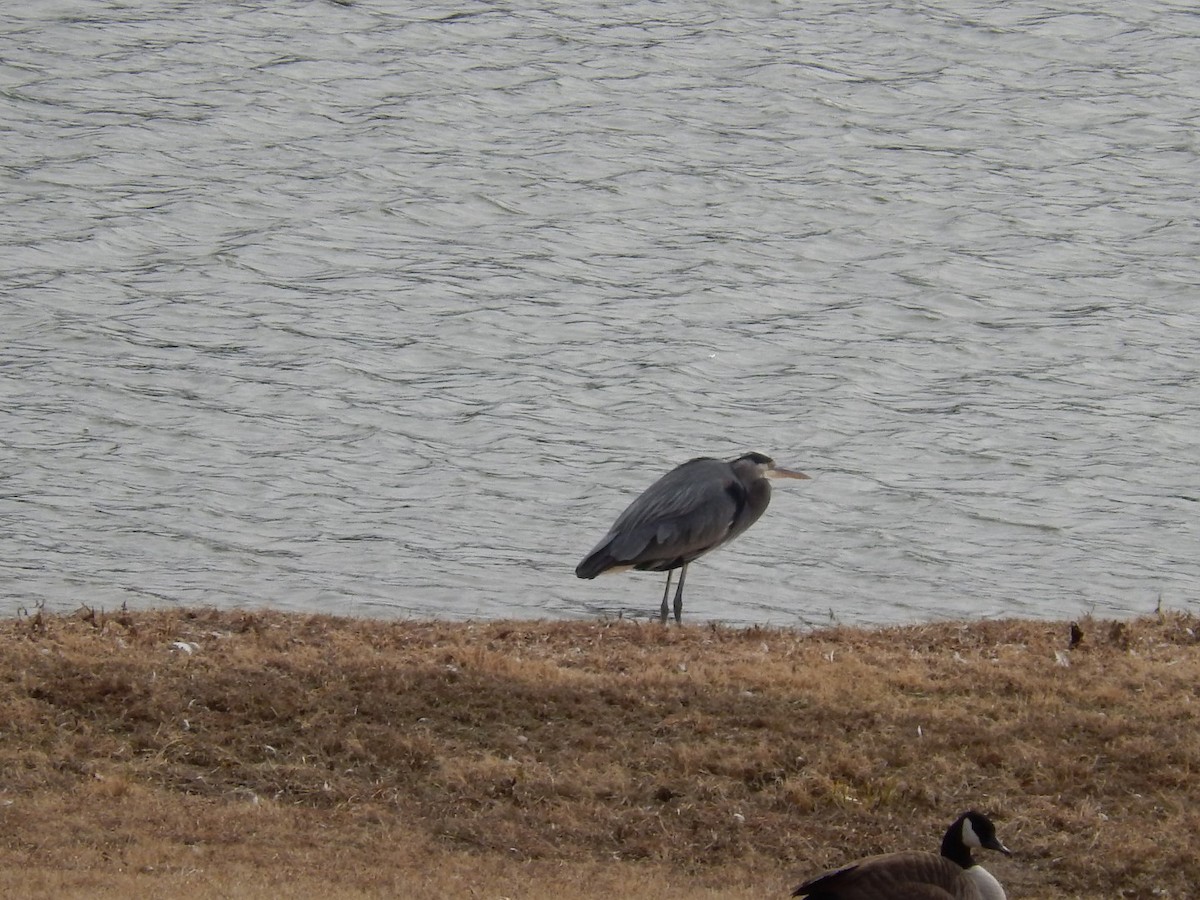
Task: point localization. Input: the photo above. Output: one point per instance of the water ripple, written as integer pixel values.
(390, 312)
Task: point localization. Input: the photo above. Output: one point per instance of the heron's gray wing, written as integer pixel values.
(688, 510)
(893, 876)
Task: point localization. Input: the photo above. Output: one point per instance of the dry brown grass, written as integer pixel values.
(346, 758)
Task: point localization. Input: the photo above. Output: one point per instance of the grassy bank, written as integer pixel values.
(238, 754)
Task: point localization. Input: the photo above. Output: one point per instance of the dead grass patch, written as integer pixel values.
(202, 753)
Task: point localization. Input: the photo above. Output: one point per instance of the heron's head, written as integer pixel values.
(766, 466)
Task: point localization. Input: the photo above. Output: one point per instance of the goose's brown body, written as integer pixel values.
(894, 876)
(952, 875)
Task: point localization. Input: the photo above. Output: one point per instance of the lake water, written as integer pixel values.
(366, 310)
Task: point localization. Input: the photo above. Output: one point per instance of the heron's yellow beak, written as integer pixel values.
(780, 472)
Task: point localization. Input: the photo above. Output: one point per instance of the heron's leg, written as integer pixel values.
(666, 594)
(678, 598)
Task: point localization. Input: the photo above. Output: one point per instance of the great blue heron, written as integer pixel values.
(694, 508)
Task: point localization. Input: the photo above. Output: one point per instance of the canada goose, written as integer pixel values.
(953, 875)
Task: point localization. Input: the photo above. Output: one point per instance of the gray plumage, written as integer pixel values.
(694, 508)
(952, 875)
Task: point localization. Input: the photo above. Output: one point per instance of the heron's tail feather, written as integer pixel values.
(596, 562)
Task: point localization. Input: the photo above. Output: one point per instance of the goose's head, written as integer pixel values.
(976, 831)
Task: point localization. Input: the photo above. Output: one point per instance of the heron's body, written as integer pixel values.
(691, 510)
(952, 875)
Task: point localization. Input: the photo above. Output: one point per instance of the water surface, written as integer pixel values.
(362, 310)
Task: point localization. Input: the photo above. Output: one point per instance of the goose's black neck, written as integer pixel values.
(953, 847)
